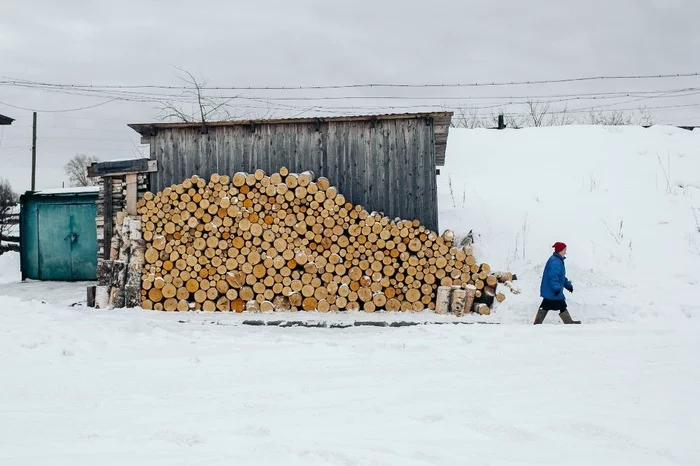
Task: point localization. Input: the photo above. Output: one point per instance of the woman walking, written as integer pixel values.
(554, 282)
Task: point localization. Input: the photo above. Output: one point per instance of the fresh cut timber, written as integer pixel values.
(288, 241)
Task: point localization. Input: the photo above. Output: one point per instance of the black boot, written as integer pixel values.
(566, 318)
(541, 314)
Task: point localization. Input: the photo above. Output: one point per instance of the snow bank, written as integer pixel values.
(625, 199)
(9, 267)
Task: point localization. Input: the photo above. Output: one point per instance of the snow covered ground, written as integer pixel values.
(82, 386)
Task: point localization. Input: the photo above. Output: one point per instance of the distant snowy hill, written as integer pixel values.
(625, 199)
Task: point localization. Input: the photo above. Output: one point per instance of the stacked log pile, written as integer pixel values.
(111, 203)
(120, 246)
(119, 279)
(288, 241)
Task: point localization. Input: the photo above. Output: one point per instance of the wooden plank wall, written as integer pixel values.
(384, 165)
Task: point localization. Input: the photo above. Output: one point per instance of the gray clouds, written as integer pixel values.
(318, 42)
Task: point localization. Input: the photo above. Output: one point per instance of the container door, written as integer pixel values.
(67, 242)
(83, 242)
(54, 242)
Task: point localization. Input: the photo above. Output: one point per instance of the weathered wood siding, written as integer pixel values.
(384, 165)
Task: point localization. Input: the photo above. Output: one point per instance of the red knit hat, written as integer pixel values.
(559, 247)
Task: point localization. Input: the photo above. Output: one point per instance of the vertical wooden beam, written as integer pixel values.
(91, 296)
(501, 122)
(131, 193)
(108, 217)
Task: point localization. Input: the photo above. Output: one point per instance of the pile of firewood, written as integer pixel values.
(461, 300)
(286, 241)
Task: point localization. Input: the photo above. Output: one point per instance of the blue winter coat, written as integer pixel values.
(554, 279)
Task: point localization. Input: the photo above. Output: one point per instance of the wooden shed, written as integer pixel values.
(386, 163)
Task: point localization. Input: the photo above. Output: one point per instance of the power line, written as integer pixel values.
(60, 138)
(151, 97)
(564, 97)
(443, 107)
(145, 98)
(586, 110)
(275, 104)
(58, 111)
(9, 80)
(69, 129)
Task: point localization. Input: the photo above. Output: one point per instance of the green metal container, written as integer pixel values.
(58, 234)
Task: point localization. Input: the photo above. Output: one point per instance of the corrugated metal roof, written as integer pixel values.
(441, 123)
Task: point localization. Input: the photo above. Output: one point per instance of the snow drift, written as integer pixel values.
(626, 200)
(9, 268)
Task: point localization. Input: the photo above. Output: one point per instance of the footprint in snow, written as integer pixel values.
(254, 431)
(179, 438)
(431, 418)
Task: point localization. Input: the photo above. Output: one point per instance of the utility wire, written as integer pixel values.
(273, 104)
(127, 95)
(187, 99)
(58, 111)
(9, 80)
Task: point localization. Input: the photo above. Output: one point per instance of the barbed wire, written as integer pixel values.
(145, 94)
(9, 80)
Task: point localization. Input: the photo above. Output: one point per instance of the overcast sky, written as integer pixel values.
(305, 42)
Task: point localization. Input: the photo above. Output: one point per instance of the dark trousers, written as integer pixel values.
(553, 305)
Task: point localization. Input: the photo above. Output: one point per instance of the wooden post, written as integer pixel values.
(107, 214)
(34, 151)
(501, 122)
(131, 193)
(91, 296)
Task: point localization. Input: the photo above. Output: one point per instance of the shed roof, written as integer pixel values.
(5, 120)
(441, 124)
(68, 191)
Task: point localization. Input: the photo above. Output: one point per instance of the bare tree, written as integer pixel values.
(203, 108)
(641, 117)
(8, 203)
(76, 169)
(538, 113)
(467, 118)
(644, 117)
(561, 118)
(609, 118)
(509, 119)
(470, 118)
(535, 114)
